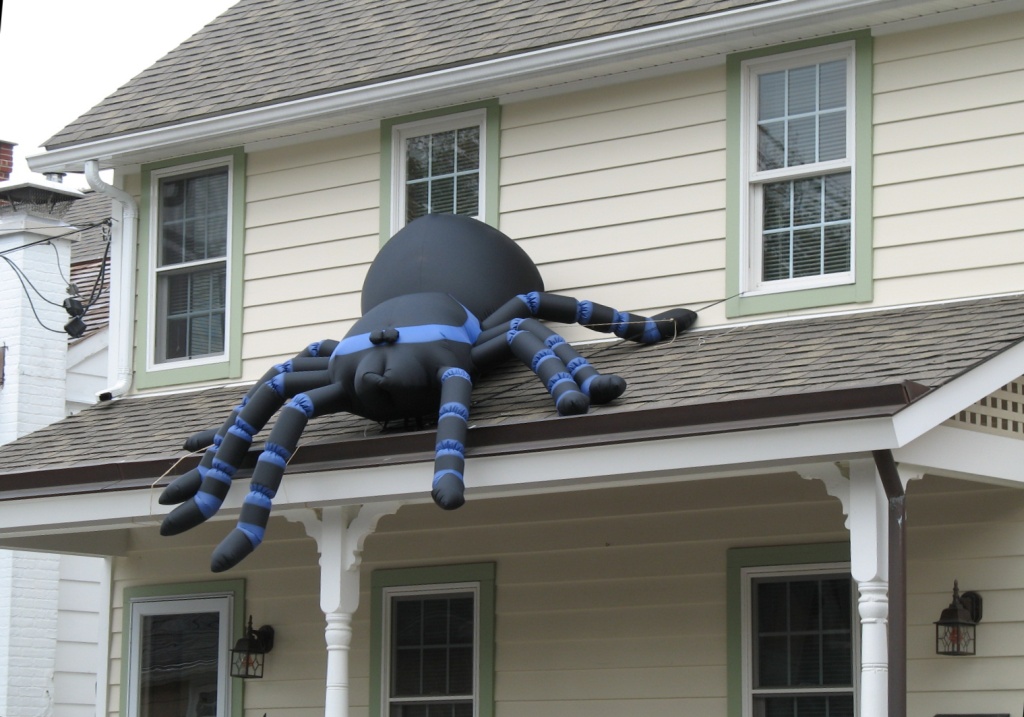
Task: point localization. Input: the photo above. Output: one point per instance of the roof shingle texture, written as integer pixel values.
(929, 345)
(262, 52)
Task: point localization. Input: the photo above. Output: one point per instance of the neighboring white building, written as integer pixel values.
(50, 603)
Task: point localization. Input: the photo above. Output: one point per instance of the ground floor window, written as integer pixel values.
(434, 642)
(793, 633)
(801, 643)
(178, 654)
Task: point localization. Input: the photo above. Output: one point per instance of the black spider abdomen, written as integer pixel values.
(460, 256)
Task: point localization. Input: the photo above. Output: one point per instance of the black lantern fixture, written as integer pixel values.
(247, 657)
(955, 628)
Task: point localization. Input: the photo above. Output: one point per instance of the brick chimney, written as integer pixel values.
(6, 159)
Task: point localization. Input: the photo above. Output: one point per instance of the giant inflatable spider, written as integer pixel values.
(413, 354)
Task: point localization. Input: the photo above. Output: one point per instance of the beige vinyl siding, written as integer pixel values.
(618, 194)
(973, 533)
(612, 601)
(282, 590)
(949, 165)
(311, 232)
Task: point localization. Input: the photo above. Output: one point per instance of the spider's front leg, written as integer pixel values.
(303, 372)
(266, 477)
(450, 448)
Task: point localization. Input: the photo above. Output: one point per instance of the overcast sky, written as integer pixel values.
(59, 58)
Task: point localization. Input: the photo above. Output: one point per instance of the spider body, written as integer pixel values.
(446, 297)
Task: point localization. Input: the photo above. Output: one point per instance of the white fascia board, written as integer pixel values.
(483, 77)
(688, 458)
(930, 410)
(965, 453)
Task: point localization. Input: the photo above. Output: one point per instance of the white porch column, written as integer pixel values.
(339, 532)
(869, 566)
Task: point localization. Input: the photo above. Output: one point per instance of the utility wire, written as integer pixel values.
(46, 239)
(29, 296)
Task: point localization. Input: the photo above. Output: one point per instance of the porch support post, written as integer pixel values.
(870, 569)
(339, 532)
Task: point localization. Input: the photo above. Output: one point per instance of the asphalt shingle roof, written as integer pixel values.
(698, 373)
(261, 52)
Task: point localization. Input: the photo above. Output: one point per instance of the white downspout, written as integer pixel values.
(123, 258)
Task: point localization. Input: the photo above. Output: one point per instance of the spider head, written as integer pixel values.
(398, 380)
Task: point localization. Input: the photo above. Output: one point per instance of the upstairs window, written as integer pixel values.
(191, 265)
(799, 225)
(441, 164)
(799, 170)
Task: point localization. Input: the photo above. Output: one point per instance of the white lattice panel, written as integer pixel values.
(1001, 412)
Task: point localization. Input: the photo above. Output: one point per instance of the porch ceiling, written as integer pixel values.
(806, 388)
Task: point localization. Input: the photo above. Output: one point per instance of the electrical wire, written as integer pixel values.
(24, 288)
(46, 239)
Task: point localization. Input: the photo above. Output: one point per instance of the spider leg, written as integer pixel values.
(598, 317)
(202, 490)
(493, 347)
(450, 451)
(550, 369)
(266, 477)
(314, 357)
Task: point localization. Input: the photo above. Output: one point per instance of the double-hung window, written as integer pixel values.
(801, 178)
(441, 164)
(177, 648)
(433, 650)
(799, 642)
(191, 264)
(191, 250)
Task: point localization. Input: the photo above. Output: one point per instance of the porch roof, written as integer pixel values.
(709, 381)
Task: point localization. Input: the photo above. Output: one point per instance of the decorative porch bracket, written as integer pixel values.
(339, 532)
(859, 488)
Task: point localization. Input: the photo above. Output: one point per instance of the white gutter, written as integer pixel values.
(123, 259)
(487, 77)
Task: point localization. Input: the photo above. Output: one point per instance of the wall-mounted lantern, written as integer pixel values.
(955, 628)
(247, 657)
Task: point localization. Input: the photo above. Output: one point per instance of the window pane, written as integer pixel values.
(837, 197)
(193, 307)
(432, 649)
(831, 136)
(178, 664)
(442, 153)
(832, 85)
(771, 95)
(801, 142)
(803, 90)
(775, 261)
(443, 173)
(193, 217)
(771, 145)
(807, 201)
(417, 158)
(801, 115)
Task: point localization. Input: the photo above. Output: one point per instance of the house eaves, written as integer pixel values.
(597, 59)
(715, 402)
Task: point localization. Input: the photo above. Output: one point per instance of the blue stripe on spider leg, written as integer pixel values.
(448, 490)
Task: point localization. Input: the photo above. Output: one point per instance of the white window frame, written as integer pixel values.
(427, 591)
(155, 322)
(401, 132)
(223, 605)
(751, 179)
(747, 577)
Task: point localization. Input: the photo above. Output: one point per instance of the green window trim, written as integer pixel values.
(861, 290)
(736, 560)
(490, 159)
(235, 589)
(481, 573)
(146, 374)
